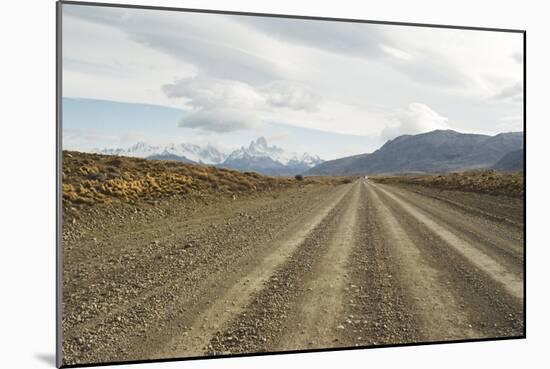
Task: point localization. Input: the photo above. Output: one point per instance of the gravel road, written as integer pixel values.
(320, 266)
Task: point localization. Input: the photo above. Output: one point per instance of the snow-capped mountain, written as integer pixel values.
(138, 150)
(271, 160)
(179, 152)
(199, 154)
(258, 156)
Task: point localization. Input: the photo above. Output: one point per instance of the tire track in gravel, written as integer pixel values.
(137, 310)
(169, 225)
(436, 310)
(511, 281)
(501, 241)
(320, 310)
(486, 306)
(301, 305)
(380, 309)
(151, 249)
(502, 214)
(236, 297)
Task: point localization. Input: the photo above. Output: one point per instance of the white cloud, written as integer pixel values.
(211, 93)
(418, 118)
(216, 105)
(225, 105)
(285, 94)
(219, 120)
(512, 93)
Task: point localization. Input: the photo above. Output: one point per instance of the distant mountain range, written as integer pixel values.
(187, 153)
(436, 151)
(271, 160)
(258, 156)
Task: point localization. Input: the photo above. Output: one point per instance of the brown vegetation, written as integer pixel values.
(481, 181)
(93, 178)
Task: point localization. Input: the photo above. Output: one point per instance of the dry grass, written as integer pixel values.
(481, 181)
(93, 178)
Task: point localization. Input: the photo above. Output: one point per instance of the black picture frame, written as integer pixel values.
(58, 194)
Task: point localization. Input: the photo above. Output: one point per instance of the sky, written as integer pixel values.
(328, 88)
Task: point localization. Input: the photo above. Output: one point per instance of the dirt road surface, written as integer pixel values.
(324, 266)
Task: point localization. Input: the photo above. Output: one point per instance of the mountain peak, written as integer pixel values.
(434, 151)
(272, 160)
(261, 141)
(439, 132)
(260, 144)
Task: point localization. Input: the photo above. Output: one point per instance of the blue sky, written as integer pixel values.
(328, 88)
(91, 123)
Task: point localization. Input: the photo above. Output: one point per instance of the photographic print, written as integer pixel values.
(237, 184)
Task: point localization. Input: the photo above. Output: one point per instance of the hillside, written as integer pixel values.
(94, 178)
(480, 181)
(337, 166)
(513, 161)
(436, 151)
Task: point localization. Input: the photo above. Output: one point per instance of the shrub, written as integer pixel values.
(91, 179)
